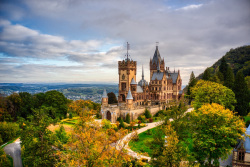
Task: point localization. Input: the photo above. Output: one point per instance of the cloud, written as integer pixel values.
(93, 33)
(190, 7)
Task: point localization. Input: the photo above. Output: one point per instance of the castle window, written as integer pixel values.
(123, 86)
(241, 155)
(159, 88)
(152, 82)
(155, 88)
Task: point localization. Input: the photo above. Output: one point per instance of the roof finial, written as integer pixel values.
(142, 73)
(127, 50)
(157, 44)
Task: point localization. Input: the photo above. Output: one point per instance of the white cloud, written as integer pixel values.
(92, 33)
(190, 7)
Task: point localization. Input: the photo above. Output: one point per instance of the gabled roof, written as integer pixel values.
(133, 82)
(104, 95)
(174, 77)
(157, 56)
(129, 96)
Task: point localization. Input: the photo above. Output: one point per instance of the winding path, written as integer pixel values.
(14, 150)
(124, 141)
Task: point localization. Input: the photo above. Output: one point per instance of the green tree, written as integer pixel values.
(215, 130)
(241, 94)
(14, 105)
(223, 67)
(207, 75)
(211, 92)
(147, 114)
(57, 101)
(128, 118)
(4, 161)
(121, 125)
(62, 135)
(112, 98)
(37, 140)
(26, 104)
(229, 78)
(192, 82)
(8, 131)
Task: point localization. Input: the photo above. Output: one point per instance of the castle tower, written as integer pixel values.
(104, 98)
(155, 62)
(127, 74)
(129, 100)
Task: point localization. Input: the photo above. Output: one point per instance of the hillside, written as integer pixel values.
(238, 59)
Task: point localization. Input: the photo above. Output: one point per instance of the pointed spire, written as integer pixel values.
(157, 56)
(129, 96)
(158, 67)
(142, 73)
(104, 95)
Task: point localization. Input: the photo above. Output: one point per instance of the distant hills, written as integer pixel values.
(238, 59)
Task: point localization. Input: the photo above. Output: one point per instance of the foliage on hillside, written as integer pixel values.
(238, 59)
(22, 105)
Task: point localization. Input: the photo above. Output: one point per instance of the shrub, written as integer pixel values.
(128, 118)
(8, 131)
(135, 136)
(106, 124)
(150, 120)
(147, 114)
(70, 115)
(121, 124)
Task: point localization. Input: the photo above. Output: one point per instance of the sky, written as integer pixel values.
(81, 41)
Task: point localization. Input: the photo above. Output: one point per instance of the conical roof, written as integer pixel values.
(104, 95)
(133, 82)
(157, 56)
(129, 96)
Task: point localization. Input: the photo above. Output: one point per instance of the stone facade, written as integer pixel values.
(133, 98)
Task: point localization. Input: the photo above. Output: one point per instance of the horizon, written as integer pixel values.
(82, 41)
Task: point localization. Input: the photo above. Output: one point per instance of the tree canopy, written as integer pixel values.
(215, 131)
(211, 92)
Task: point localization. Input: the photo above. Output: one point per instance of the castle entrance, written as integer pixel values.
(108, 115)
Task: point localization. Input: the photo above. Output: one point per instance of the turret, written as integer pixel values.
(104, 98)
(129, 100)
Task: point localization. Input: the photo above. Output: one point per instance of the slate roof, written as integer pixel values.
(133, 82)
(157, 56)
(139, 89)
(157, 75)
(174, 77)
(104, 95)
(129, 96)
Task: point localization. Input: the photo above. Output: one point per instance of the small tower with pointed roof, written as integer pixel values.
(156, 61)
(129, 100)
(104, 98)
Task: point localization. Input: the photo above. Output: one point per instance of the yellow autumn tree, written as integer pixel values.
(169, 152)
(93, 145)
(215, 131)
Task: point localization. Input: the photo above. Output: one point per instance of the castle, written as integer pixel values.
(164, 86)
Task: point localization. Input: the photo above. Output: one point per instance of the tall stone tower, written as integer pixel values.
(156, 62)
(127, 74)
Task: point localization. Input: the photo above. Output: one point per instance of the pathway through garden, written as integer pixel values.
(127, 138)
